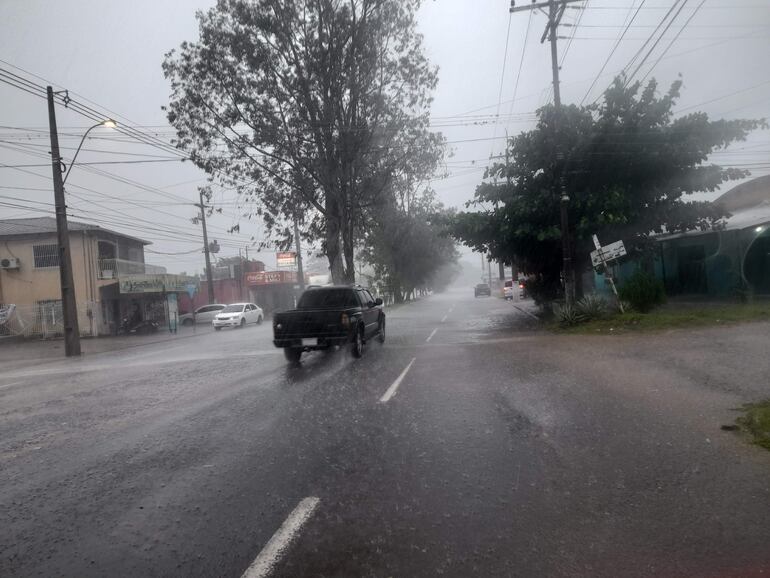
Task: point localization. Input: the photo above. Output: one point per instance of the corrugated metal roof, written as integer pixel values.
(757, 216)
(47, 225)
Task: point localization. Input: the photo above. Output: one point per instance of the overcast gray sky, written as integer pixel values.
(110, 52)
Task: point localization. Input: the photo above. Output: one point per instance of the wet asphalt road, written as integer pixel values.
(505, 451)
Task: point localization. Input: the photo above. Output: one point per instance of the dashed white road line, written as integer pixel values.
(444, 318)
(10, 384)
(432, 333)
(394, 386)
(273, 551)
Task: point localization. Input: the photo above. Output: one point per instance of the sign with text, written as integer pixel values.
(153, 283)
(608, 253)
(271, 277)
(286, 260)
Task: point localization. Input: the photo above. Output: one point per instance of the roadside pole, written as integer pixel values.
(69, 304)
(607, 274)
(209, 280)
(556, 10)
(298, 248)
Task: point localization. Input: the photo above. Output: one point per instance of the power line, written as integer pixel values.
(614, 48)
(681, 5)
(674, 39)
(97, 163)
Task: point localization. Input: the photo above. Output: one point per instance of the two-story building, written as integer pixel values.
(109, 273)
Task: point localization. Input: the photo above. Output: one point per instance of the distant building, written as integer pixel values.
(110, 275)
(725, 262)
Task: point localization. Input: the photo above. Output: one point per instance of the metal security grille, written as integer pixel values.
(45, 255)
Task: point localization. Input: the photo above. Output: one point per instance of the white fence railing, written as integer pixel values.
(114, 268)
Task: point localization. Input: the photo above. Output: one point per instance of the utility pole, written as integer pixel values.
(489, 267)
(68, 301)
(209, 280)
(556, 10)
(300, 272)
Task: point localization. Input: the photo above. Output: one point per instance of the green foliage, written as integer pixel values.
(627, 165)
(756, 421)
(642, 291)
(568, 315)
(407, 249)
(592, 306)
(543, 289)
(307, 109)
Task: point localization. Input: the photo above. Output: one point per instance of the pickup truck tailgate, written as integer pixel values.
(308, 323)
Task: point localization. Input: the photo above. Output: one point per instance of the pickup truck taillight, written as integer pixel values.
(345, 320)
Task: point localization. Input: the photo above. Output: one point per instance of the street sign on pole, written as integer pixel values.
(610, 252)
(603, 255)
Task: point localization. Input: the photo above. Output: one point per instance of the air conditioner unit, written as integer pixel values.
(9, 263)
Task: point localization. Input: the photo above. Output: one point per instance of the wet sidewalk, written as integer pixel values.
(17, 352)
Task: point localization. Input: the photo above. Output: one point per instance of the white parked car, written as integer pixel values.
(238, 315)
(204, 314)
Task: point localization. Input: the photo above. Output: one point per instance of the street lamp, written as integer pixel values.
(109, 123)
(67, 283)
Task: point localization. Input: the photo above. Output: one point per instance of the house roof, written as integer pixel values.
(748, 205)
(47, 225)
(746, 195)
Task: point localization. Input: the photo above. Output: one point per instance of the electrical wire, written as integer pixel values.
(614, 49)
(655, 44)
(674, 39)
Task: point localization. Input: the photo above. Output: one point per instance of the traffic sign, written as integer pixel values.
(610, 252)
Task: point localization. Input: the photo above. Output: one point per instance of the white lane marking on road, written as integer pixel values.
(432, 333)
(394, 386)
(11, 384)
(444, 318)
(276, 547)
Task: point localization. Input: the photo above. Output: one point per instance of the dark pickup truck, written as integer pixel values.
(329, 316)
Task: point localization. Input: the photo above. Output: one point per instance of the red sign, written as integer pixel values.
(271, 277)
(286, 259)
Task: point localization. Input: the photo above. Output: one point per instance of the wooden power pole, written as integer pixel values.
(556, 10)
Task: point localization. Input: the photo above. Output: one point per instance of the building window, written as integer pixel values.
(46, 256)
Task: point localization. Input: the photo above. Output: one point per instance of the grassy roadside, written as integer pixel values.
(672, 317)
(756, 422)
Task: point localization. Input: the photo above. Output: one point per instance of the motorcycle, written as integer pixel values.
(129, 326)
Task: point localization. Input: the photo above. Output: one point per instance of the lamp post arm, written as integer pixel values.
(72, 162)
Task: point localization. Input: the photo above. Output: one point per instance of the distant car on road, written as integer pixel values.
(204, 314)
(238, 315)
(482, 289)
(329, 316)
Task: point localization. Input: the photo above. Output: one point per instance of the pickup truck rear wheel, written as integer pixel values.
(292, 354)
(358, 343)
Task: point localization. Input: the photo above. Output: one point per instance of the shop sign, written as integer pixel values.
(271, 277)
(286, 260)
(153, 283)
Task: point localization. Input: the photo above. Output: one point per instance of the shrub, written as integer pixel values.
(592, 306)
(567, 315)
(642, 291)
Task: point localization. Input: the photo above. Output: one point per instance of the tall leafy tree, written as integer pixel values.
(408, 245)
(309, 108)
(628, 166)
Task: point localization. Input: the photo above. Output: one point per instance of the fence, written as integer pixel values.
(112, 268)
(46, 320)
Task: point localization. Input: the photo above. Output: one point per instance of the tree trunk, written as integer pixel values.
(333, 252)
(348, 247)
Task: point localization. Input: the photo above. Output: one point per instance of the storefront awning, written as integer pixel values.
(159, 283)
